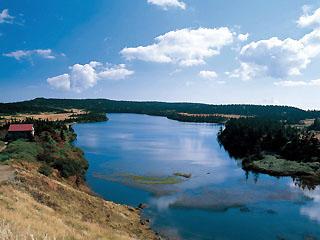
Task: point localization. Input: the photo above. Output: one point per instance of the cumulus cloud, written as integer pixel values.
(82, 77)
(208, 74)
(309, 20)
(243, 37)
(5, 17)
(289, 83)
(22, 54)
(61, 82)
(277, 58)
(185, 47)
(247, 71)
(165, 4)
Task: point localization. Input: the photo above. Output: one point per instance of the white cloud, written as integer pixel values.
(208, 74)
(21, 54)
(5, 16)
(165, 4)
(243, 37)
(278, 58)
(82, 77)
(115, 73)
(185, 47)
(311, 42)
(246, 71)
(289, 83)
(309, 20)
(61, 82)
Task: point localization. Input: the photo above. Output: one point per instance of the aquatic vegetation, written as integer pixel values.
(140, 179)
(155, 180)
(185, 175)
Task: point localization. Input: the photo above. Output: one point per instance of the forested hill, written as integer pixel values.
(155, 108)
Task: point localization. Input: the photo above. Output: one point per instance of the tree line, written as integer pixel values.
(253, 137)
(289, 114)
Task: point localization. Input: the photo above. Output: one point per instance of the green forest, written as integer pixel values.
(290, 114)
(251, 138)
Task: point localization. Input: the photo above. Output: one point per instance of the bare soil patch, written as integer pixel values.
(6, 173)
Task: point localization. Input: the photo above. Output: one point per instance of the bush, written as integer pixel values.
(70, 167)
(23, 150)
(4, 157)
(45, 170)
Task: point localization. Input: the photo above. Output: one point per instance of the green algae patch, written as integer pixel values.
(132, 179)
(153, 180)
(181, 174)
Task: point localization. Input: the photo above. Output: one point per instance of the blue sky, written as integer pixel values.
(211, 51)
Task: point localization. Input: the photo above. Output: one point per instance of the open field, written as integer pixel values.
(46, 115)
(229, 116)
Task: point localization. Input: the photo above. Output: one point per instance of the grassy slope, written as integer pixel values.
(38, 206)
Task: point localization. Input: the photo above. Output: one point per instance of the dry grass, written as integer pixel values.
(36, 207)
(6, 173)
(229, 116)
(49, 116)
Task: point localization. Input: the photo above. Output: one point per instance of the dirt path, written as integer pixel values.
(6, 173)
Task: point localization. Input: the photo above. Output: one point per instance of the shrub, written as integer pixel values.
(45, 170)
(23, 150)
(71, 167)
(4, 157)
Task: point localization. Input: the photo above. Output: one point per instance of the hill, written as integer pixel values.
(169, 110)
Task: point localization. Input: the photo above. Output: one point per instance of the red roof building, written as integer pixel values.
(21, 128)
(17, 131)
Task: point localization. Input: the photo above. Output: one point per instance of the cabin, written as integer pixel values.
(17, 131)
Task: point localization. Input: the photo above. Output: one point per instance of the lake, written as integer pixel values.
(219, 201)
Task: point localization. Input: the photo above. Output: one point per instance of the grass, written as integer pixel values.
(30, 202)
(151, 180)
(21, 150)
(284, 167)
(140, 180)
(51, 116)
(181, 174)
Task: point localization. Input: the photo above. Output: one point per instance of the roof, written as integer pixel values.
(21, 128)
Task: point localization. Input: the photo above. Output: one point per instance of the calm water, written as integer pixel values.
(218, 202)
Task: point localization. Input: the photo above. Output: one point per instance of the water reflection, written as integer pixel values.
(155, 146)
(312, 210)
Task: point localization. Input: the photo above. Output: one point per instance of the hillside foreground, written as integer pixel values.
(33, 206)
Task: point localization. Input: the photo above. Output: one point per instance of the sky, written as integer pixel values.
(208, 51)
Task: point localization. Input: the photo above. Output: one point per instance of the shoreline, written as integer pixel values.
(70, 199)
(308, 174)
(30, 199)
